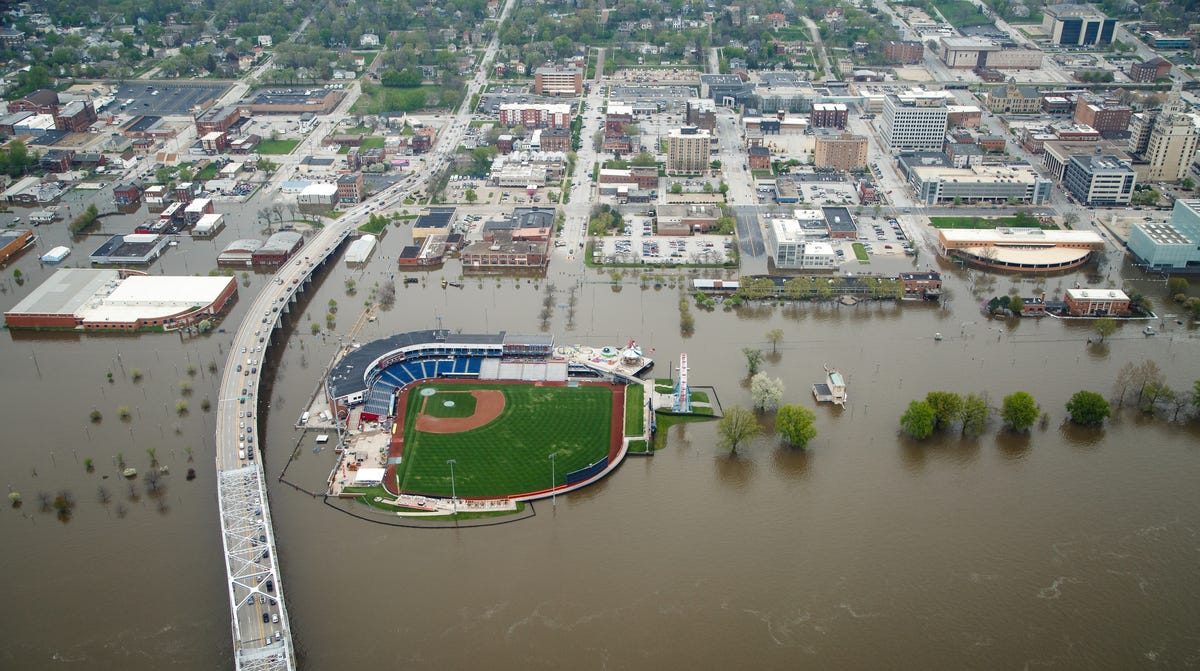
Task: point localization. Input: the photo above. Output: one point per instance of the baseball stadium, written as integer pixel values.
(469, 420)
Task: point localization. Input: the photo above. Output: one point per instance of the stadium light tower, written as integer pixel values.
(453, 496)
(553, 489)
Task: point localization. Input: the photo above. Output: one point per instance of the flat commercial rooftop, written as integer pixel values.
(173, 98)
(153, 296)
(1020, 236)
(67, 290)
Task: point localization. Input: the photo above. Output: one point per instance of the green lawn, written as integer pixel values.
(461, 404)
(511, 454)
(988, 222)
(860, 252)
(634, 402)
(372, 143)
(961, 13)
(276, 147)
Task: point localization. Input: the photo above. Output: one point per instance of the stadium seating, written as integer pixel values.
(379, 400)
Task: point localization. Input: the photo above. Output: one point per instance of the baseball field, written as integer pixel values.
(501, 436)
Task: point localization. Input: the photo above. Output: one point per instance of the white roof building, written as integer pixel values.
(361, 249)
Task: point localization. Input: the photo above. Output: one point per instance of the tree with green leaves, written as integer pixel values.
(1019, 411)
(947, 406)
(775, 336)
(796, 424)
(1016, 304)
(642, 159)
(737, 426)
(1088, 408)
(974, 414)
(1104, 327)
(753, 359)
(471, 196)
(918, 420)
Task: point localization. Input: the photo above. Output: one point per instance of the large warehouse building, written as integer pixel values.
(120, 300)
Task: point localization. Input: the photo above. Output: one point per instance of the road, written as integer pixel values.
(260, 623)
(816, 37)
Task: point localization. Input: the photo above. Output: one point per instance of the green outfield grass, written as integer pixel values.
(463, 404)
(634, 402)
(510, 455)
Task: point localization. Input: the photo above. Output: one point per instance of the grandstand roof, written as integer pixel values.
(349, 374)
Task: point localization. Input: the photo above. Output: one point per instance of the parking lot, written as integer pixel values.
(166, 99)
(881, 236)
(638, 244)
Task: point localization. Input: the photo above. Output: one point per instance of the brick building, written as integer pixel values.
(829, 115)
(350, 188)
(42, 101)
(759, 158)
(1103, 114)
(75, 117)
(903, 52)
(701, 113)
(840, 151)
(536, 116)
(217, 119)
(558, 80)
(1097, 302)
(1155, 68)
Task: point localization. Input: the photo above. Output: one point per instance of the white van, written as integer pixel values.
(304, 418)
(242, 455)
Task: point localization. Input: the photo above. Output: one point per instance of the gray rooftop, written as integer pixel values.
(349, 374)
(284, 241)
(67, 290)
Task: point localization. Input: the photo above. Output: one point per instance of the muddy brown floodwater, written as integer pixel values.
(1064, 549)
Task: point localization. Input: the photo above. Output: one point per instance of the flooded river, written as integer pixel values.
(1064, 549)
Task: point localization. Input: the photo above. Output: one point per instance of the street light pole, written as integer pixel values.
(553, 483)
(453, 496)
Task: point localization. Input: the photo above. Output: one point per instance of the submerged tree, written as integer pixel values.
(1019, 411)
(974, 414)
(918, 420)
(737, 426)
(775, 336)
(753, 359)
(1088, 408)
(766, 391)
(796, 425)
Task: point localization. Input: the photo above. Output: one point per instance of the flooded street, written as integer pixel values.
(1067, 548)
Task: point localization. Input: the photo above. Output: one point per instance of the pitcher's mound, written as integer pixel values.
(489, 403)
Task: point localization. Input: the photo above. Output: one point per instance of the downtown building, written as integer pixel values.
(914, 121)
(558, 80)
(532, 116)
(840, 151)
(1169, 246)
(1099, 179)
(1077, 25)
(1163, 143)
(688, 151)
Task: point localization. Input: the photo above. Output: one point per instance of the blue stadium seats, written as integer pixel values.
(473, 366)
(379, 400)
(445, 368)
